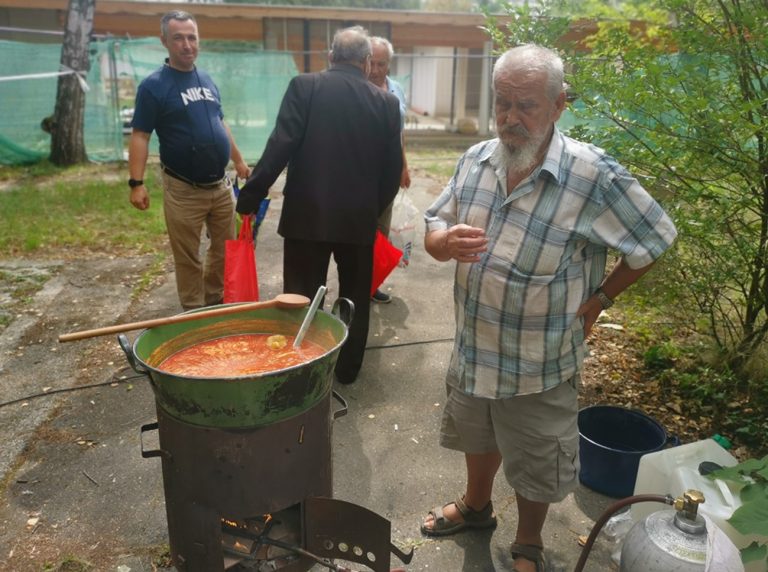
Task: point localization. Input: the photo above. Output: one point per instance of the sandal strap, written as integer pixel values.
(529, 552)
(462, 506)
(471, 514)
(437, 515)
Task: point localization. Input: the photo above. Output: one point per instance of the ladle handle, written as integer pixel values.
(319, 295)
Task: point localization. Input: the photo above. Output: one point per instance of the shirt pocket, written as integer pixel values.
(539, 256)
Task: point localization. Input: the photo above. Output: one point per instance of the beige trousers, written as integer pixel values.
(188, 210)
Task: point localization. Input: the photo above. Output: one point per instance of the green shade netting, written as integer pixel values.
(27, 100)
(252, 84)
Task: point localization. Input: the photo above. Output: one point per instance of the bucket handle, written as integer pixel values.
(122, 339)
(344, 407)
(155, 452)
(344, 309)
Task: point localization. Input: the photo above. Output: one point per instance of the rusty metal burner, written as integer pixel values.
(243, 499)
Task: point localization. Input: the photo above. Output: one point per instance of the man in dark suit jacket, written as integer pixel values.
(339, 135)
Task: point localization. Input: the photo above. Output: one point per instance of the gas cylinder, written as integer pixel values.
(672, 540)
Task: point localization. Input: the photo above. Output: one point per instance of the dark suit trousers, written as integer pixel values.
(305, 268)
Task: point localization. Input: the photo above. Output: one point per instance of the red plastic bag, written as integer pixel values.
(385, 258)
(241, 284)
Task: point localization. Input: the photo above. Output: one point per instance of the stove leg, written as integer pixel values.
(195, 537)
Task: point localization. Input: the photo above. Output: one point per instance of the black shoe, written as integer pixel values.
(381, 297)
(345, 379)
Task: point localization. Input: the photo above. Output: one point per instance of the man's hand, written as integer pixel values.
(405, 178)
(242, 169)
(590, 311)
(460, 242)
(140, 197)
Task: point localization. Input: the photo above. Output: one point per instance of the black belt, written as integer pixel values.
(182, 178)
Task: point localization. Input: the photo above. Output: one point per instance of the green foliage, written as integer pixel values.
(537, 24)
(692, 124)
(661, 356)
(752, 516)
(379, 4)
(685, 108)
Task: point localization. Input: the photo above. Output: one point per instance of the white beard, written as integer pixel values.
(520, 159)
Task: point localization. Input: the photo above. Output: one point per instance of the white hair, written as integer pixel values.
(378, 40)
(533, 58)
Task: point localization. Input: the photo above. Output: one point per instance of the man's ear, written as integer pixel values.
(560, 105)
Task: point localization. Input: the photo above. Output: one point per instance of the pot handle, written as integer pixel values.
(155, 452)
(344, 407)
(344, 309)
(122, 339)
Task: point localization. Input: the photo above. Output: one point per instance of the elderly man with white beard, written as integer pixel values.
(529, 219)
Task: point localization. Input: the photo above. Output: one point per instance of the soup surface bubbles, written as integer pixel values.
(239, 355)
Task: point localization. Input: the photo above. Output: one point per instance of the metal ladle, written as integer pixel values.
(308, 318)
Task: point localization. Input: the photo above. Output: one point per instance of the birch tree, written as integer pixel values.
(67, 129)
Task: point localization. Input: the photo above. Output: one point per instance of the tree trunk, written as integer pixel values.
(67, 139)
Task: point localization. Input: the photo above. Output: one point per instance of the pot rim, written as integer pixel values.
(248, 376)
(251, 376)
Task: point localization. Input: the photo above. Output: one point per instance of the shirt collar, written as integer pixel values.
(348, 68)
(553, 158)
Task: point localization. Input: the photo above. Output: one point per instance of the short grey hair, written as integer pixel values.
(350, 45)
(534, 58)
(179, 15)
(378, 40)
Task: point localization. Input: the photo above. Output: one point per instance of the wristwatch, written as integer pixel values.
(605, 301)
(135, 183)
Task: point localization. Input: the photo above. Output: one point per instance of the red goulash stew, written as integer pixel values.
(239, 355)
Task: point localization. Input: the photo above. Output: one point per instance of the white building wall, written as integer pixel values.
(432, 83)
(424, 80)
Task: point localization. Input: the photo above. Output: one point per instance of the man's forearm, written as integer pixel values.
(234, 150)
(622, 277)
(138, 152)
(435, 245)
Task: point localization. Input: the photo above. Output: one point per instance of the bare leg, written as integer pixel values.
(531, 517)
(481, 471)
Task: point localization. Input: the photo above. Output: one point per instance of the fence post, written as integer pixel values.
(484, 115)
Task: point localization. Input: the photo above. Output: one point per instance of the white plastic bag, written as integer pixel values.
(402, 230)
(615, 530)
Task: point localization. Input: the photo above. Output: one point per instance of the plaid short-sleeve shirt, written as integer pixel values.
(516, 326)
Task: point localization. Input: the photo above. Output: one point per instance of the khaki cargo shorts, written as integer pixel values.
(537, 436)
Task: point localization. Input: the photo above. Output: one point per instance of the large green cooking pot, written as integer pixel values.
(254, 400)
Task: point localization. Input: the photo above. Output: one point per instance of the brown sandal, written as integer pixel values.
(442, 526)
(530, 552)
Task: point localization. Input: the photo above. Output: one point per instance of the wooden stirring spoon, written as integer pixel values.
(279, 301)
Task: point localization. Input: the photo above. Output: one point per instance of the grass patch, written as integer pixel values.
(436, 162)
(69, 564)
(29, 172)
(48, 211)
(150, 276)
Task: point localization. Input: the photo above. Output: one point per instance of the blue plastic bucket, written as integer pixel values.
(611, 442)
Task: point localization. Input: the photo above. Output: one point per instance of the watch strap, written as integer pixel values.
(135, 183)
(605, 301)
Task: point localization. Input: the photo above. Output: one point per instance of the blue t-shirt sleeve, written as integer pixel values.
(397, 90)
(145, 111)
